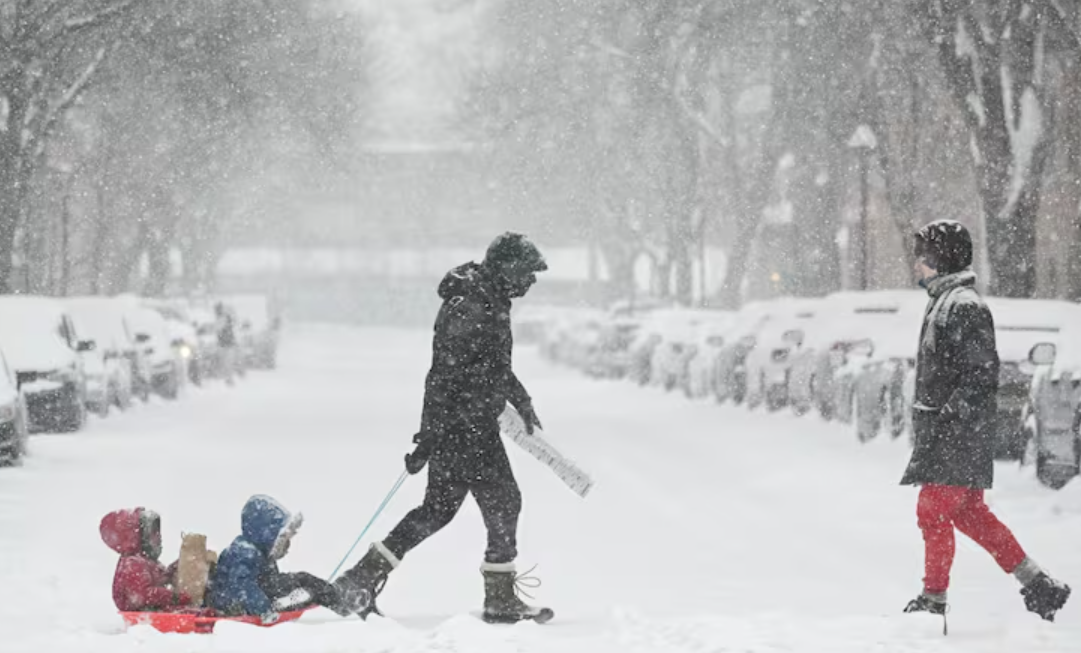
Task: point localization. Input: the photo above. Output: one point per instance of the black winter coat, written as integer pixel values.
(470, 380)
(956, 386)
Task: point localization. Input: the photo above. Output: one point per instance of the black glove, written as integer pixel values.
(529, 416)
(418, 458)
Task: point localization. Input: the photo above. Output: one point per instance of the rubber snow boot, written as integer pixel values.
(359, 587)
(501, 588)
(1045, 596)
(932, 603)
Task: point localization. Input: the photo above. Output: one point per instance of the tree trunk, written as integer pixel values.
(1071, 142)
(13, 183)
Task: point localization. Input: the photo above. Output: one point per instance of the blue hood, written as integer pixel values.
(264, 520)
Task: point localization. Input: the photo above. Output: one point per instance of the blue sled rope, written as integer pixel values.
(390, 495)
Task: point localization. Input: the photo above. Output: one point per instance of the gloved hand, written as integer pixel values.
(268, 618)
(418, 458)
(529, 416)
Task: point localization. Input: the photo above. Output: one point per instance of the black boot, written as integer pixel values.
(359, 587)
(501, 602)
(932, 603)
(1045, 596)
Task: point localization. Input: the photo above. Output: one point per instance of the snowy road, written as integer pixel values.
(709, 529)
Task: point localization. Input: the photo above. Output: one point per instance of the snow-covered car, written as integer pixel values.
(572, 334)
(1021, 324)
(14, 432)
(611, 358)
(729, 368)
(767, 364)
(150, 331)
(1053, 422)
(708, 343)
(877, 397)
(678, 331)
(101, 319)
(848, 319)
(107, 369)
(38, 338)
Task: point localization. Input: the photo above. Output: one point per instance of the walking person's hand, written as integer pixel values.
(418, 458)
(529, 416)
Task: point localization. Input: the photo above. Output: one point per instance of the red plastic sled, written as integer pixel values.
(201, 621)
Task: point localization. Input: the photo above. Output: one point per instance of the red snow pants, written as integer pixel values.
(942, 508)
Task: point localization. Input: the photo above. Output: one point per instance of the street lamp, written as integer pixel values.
(864, 141)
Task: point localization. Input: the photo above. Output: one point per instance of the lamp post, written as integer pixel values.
(863, 140)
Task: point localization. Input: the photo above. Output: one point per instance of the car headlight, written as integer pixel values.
(185, 351)
(8, 412)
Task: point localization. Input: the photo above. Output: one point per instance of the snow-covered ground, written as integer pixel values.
(709, 529)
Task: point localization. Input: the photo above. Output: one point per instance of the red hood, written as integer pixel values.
(120, 531)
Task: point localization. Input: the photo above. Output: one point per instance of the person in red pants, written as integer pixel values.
(957, 371)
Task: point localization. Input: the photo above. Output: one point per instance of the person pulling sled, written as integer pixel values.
(957, 373)
(467, 387)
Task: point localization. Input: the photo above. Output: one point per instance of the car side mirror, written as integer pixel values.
(85, 345)
(1043, 353)
(142, 338)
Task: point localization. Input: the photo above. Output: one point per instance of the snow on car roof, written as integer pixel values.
(98, 319)
(30, 333)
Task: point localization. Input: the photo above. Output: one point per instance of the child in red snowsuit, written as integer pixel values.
(141, 583)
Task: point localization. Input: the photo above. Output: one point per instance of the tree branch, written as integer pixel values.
(70, 95)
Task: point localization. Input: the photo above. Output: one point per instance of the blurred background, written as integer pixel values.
(340, 155)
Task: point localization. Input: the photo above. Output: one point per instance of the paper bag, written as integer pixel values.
(193, 566)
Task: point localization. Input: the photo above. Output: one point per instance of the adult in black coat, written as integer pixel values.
(468, 387)
(957, 371)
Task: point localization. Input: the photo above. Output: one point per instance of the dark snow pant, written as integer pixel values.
(499, 501)
(280, 585)
(940, 510)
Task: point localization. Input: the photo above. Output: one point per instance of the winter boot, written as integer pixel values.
(501, 588)
(359, 587)
(1045, 596)
(932, 603)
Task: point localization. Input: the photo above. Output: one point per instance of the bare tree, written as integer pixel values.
(52, 51)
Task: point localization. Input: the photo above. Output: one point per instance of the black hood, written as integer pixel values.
(467, 280)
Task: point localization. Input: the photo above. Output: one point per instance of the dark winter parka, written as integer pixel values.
(470, 380)
(957, 372)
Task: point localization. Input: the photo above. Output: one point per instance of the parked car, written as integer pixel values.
(38, 338)
(1053, 419)
(1021, 324)
(13, 417)
(729, 370)
(611, 359)
(150, 332)
(708, 343)
(106, 366)
(877, 382)
(103, 319)
(768, 363)
(849, 319)
(678, 330)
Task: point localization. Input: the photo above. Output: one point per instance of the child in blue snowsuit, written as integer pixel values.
(247, 581)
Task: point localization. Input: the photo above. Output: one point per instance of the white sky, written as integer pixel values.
(423, 55)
